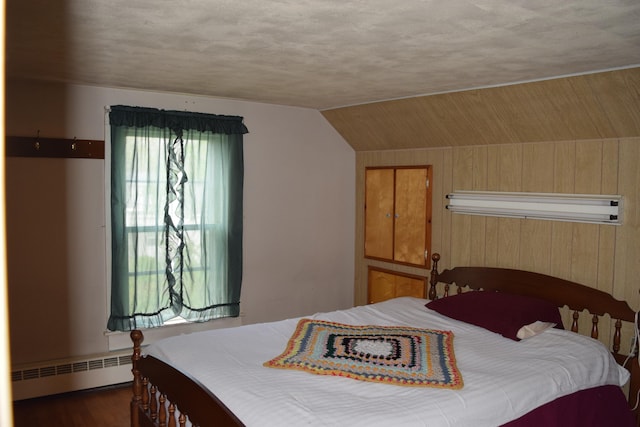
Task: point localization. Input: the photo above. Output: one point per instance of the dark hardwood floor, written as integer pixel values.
(104, 407)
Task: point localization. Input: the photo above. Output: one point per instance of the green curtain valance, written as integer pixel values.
(177, 121)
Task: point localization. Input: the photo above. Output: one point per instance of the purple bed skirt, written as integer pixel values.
(604, 406)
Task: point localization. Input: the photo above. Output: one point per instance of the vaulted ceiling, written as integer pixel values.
(320, 54)
(594, 106)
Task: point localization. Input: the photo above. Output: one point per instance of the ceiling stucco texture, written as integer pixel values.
(318, 54)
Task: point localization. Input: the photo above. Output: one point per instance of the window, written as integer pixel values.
(176, 216)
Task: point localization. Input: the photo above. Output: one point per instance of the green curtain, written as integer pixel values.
(176, 216)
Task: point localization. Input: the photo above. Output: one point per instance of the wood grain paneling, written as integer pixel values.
(461, 224)
(606, 257)
(509, 170)
(536, 234)
(570, 135)
(564, 162)
(379, 213)
(627, 252)
(595, 106)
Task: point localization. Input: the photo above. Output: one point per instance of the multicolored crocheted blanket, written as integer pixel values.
(384, 354)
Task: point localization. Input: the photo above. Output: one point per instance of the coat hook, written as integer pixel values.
(36, 145)
(73, 144)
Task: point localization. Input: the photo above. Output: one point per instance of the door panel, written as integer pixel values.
(379, 201)
(410, 215)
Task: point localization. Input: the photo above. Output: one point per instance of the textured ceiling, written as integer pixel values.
(317, 53)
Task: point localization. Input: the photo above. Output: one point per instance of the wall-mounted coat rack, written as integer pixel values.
(19, 146)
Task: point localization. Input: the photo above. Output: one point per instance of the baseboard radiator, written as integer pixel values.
(62, 376)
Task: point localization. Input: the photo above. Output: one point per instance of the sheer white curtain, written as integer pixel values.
(176, 216)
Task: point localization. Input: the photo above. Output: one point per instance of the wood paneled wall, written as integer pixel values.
(606, 257)
(576, 134)
(594, 106)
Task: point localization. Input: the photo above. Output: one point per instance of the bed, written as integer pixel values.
(484, 374)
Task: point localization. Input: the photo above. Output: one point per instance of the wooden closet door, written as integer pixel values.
(379, 210)
(410, 238)
(385, 284)
(382, 286)
(410, 287)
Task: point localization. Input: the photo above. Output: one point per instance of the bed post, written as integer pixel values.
(634, 387)
(634, 381)
(433, 294)
(137, 338)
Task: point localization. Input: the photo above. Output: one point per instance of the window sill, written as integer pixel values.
(121, 340)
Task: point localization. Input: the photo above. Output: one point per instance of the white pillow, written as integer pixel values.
(533, 329)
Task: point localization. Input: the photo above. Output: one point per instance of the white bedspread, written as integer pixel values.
(503, 379)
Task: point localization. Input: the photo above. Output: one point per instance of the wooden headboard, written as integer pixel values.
(561, 292)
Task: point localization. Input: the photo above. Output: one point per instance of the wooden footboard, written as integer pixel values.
(164, 396)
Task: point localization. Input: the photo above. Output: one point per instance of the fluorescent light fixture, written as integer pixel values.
(598, 209)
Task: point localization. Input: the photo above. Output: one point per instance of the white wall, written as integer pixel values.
(298, 227)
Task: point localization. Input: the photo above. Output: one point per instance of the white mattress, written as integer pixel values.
(503, 379)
